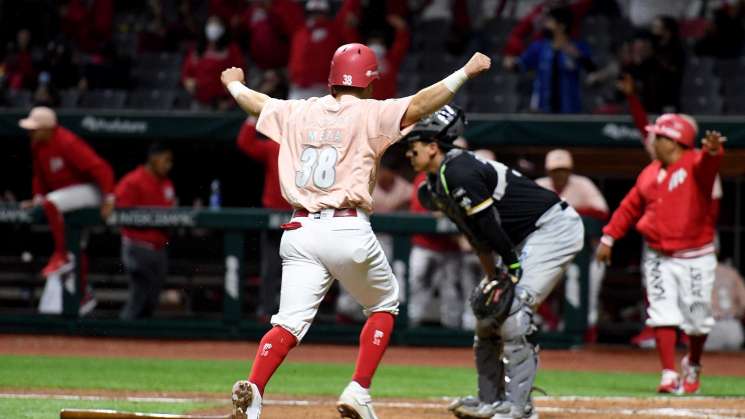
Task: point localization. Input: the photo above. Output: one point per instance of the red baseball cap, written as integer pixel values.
(678, 127)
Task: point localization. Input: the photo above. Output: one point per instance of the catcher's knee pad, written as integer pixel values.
(520, 359)
(520, 321)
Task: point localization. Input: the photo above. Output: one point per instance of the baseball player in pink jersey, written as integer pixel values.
(329, 152)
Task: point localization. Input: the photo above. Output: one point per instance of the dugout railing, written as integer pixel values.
(235, 224)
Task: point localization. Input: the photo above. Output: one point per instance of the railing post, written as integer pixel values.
(400, 266)
(71, 282)
(233, 246)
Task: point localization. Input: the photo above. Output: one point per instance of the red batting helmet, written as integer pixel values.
(680, 128)
(353, 65)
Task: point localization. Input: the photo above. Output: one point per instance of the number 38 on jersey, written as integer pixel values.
(318, 165)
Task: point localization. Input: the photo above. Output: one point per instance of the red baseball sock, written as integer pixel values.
(696, 349)
(665, 338)
(272, 350)
(373, 342)
(57, 225)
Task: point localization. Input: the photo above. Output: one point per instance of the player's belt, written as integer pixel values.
(341, 212)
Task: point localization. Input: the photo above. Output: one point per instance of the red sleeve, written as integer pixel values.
(251, 145)
(515, 44)
(627, 214)
(235, 56)
(400, 46)
(639, 115)
(414, 204)
(289, 14)
(126, 193)
(714, 211)
(706, 168)
(86, 161)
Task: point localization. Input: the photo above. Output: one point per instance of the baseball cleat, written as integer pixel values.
(355, 403)
(498, 410)
(246, 400)
(59, 263)
(669, 383)
(87, 303)
(469, 401)
(691, 376)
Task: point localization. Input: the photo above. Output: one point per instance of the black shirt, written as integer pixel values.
(475, 188)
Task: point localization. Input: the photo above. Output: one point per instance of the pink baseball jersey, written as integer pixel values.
(329, 149)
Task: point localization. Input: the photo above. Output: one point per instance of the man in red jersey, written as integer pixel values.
(670, 205)
(144, 249)
(67, 175)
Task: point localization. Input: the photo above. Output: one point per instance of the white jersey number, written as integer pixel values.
(320, 164)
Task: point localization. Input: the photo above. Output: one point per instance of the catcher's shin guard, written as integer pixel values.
(519, 355)
(486, 351)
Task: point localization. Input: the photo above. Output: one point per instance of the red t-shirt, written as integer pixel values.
(270, 31)
(141, 188)
(66, 160)
(314, 44)
(435, 242)
(267, 152)
(206, 70)
(671, 209)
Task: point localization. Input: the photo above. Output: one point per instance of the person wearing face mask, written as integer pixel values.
(557, 60)
(390, 59)
(201, 70)
(314, 44)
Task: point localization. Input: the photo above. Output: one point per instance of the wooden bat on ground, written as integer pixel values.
(115, 414)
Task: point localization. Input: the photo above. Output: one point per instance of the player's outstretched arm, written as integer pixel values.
(249, 100)
(432, 98)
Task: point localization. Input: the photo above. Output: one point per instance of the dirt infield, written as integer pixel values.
(589, 359)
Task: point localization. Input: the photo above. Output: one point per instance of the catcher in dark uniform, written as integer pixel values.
(502, 213)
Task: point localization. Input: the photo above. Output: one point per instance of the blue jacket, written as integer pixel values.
(539, 57)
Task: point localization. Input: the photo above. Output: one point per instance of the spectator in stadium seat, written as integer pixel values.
(725, 37)
(201, 70)
(19, 65)
(270, 27)
(144, 249)
(389, 60)
(530, 26)
(557, 60)
(266, 152)
(669, 56)
(184, 31)
(582, 194)
(88, 24)
(314, 44)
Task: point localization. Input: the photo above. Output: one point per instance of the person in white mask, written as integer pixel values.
(202, 66)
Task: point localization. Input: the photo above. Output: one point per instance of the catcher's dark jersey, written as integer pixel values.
(467, 185)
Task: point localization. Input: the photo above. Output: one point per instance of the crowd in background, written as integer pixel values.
(570, 51)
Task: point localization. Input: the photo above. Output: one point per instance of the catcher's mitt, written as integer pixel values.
(492, 298)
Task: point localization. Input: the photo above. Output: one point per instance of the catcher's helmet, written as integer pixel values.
(443, 127)
(678, 127)
(353, 65)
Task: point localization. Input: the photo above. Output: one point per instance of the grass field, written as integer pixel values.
(213, 379)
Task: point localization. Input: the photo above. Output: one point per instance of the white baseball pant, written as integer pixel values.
(327, 247)
(75, 197)
(679, 291)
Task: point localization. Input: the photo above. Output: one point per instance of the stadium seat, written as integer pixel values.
(181, 99)
(698, 85)
(104, 99)
(152, 99)
(700, 65)
(703, 105)
(69, 98)
(493, 102)
(18, 98)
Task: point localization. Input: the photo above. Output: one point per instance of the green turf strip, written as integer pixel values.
(49, 409)
(309, 379)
